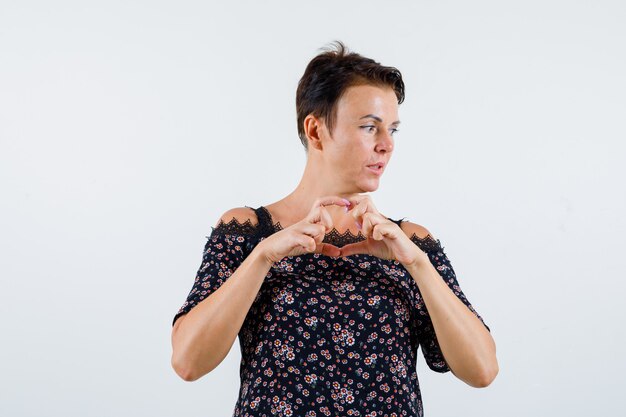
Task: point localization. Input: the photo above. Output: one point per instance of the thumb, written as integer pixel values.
(354, 248)
(328, 250)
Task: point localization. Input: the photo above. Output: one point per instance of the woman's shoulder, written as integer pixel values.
(239, 215)
(420, 235)
(413, 229)
(237, 220)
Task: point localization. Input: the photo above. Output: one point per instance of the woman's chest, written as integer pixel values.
(342, 300)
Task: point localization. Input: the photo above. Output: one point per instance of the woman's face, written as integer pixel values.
(366, 119)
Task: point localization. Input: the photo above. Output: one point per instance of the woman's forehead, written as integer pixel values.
(363, 102)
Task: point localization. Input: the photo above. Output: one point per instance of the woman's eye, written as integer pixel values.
(372, 128)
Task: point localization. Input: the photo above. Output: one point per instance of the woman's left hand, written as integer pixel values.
(384, 238)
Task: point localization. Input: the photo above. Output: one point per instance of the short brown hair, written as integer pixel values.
(327, 77)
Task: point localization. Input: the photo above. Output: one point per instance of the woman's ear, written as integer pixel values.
(313, 129)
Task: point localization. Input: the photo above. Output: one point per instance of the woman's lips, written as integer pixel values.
(376, 169)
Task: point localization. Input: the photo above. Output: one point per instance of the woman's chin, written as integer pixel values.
(370, 185)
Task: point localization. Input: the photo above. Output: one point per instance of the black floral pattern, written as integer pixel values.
(327, 336)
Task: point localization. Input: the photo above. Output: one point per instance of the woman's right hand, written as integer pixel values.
(305, 236)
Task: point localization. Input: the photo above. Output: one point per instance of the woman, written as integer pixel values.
(329, 297)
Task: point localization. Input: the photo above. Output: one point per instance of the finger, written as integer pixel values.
(367, 225)
(315, 214)
(354, 248)
(328, 250)
(315, 231)
(357, 214)
(321, 233)
(371, 220)
(377, 232)
(363, 203)
(319, 247)
(306, 242)
(326, 219)
(384, 230)
(354, 202)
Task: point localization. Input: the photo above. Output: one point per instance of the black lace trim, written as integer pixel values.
(235, 227)
(426, 243)
(334, 237)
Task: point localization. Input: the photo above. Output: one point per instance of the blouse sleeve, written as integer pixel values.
(426, 333)
(224, 251)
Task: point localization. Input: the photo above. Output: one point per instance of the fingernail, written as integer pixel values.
(346, 207)
(358, 225)
(346, 201)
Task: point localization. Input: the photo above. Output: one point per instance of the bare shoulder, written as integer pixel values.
(239, 214)
(415, 229)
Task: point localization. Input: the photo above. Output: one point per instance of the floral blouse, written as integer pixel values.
(327, 336)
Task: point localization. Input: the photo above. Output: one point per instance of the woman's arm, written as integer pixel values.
(466, 344)
(202, 338)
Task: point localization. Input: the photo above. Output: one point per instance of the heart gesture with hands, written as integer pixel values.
(384, 238)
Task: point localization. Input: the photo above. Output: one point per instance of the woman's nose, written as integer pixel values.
(385, 141)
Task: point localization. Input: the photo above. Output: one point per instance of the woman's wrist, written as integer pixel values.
(418, 262)
(261, 252)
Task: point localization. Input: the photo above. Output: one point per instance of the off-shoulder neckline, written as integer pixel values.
(266, 227)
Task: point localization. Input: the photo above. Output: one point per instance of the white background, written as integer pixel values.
(127, 128)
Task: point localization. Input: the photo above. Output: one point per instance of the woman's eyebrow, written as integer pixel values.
(378, 119)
